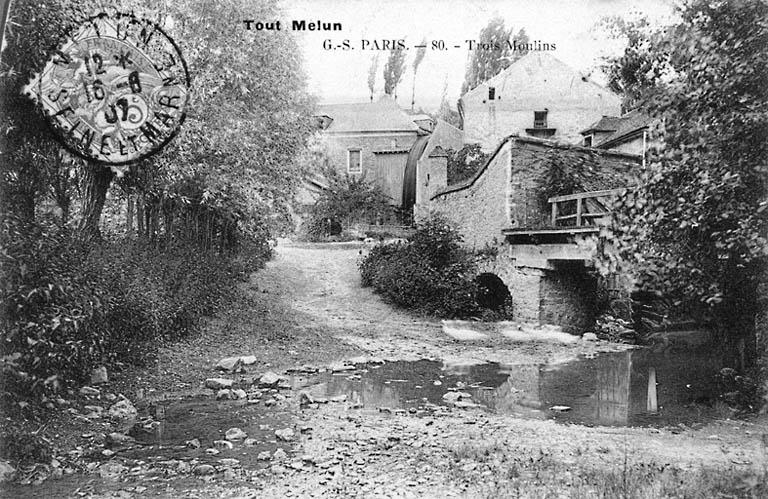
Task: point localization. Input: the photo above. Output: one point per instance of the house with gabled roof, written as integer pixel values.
(626, 133)
(536, 96)
(370, 140)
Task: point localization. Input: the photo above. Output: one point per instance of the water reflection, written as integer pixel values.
(632, 388)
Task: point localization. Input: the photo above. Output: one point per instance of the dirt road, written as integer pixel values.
(383, 429)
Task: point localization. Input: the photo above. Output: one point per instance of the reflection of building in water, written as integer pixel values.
(612, 389)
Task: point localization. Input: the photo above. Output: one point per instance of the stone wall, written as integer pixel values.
(506, 192)
(567, 297)
(478, 207)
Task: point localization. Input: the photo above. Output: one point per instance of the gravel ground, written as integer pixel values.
(307, 308)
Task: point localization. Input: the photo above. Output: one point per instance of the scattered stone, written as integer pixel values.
(270, 402)
(589, 337)
(204, 469)
(193, 444)
(339, 398)
(264, 456)
(212, 452)
(437, 382)
(286, 434)
(250, 442)
(269, 379)
(224, 394)
(123, 410)
(560, 408)
(111, 470)
(89, 391)
(305, 399)
(337, 368)
(305, 429)
(223, 444)
(248, 360)
(107, 453)
(228, 461)
(279, 455)
(111, 397)
(99, 376)
(453, 397)
(6, 471)
(116, 439)
(235, 434)
(465, 404)
(218, 383)
(277, 469)
(238, 393)
(93, 411)
(229, 364)
(296, 465)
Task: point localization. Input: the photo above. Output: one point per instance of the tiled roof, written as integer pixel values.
(383, 115)
(604, 124)
(629, 123)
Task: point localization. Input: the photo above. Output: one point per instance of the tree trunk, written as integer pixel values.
(140, 218)
(97, 180)
(129, 216)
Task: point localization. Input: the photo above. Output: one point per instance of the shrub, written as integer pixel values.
(430, 273)
(68, 307)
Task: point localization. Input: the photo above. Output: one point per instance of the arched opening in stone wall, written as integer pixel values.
(492, 292)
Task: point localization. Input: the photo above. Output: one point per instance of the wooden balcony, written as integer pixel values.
(590, 208)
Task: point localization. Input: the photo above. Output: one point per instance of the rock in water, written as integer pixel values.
(122, 410)
(286, 435)
(99, 376)
(235, 434)
(218, 383)
(589, 337)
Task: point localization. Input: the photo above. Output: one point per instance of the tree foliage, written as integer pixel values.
(696, 227)
(464, 163)
(372, 74)
(482, 65)
(394, 69)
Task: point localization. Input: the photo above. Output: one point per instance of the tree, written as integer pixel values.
(695, 228)
(445, 112)
(394, 69)
(372, 74)
(465, 162)
(636, 69)
(420, 53)
(482, 65)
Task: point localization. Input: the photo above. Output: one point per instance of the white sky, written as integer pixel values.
(341, 76)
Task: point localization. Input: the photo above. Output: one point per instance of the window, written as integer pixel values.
(540, 119)
(588, 141)
(491, 93)
(354, 163)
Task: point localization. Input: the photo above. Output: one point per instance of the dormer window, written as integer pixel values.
(540, 119)
(588, 141)
(491, 93)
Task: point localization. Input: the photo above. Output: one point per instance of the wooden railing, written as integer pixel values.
(590, 207)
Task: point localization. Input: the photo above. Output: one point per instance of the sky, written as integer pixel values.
(337, 76)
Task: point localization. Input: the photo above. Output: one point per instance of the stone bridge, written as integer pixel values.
(544, 256)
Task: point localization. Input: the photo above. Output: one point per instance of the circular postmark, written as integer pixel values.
(116, 91)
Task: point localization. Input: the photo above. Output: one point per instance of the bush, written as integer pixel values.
(68, 307)
(430, 273)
